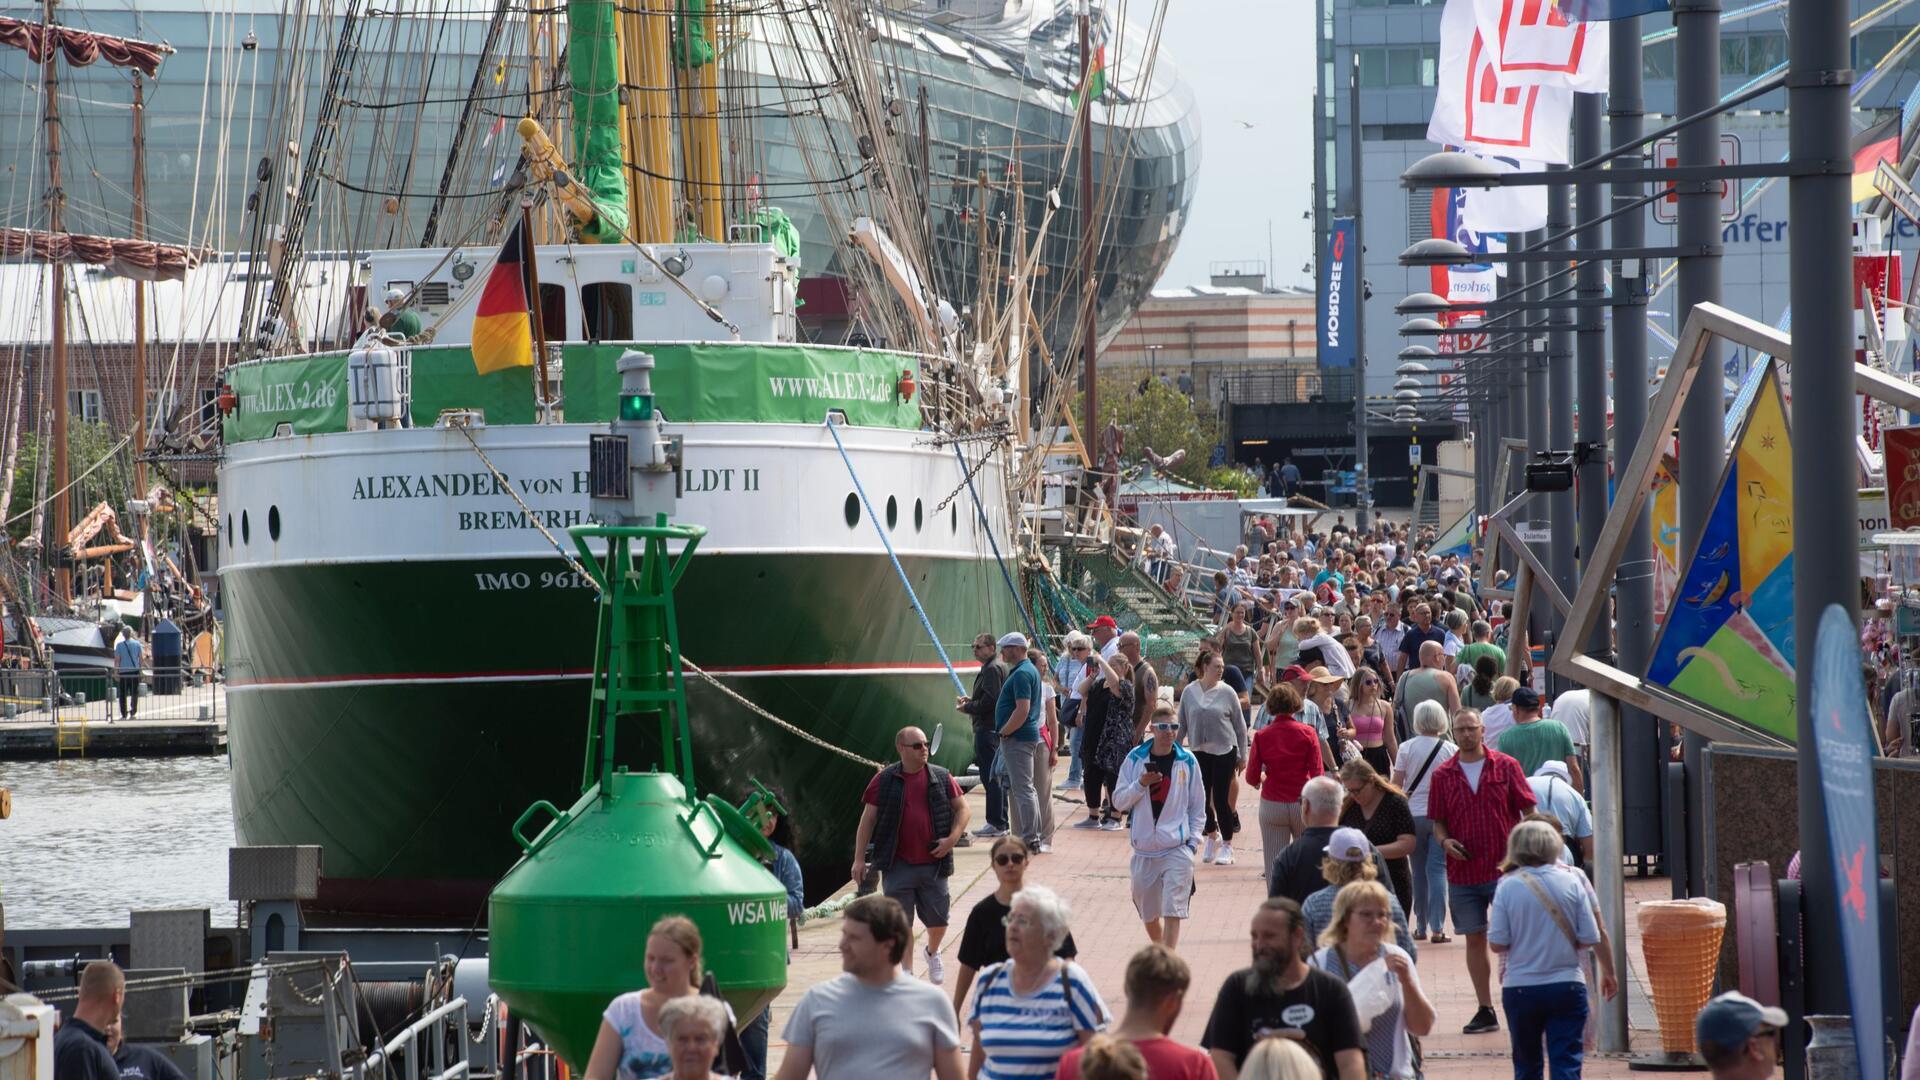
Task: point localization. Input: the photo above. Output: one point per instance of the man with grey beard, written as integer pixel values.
(1281, 995)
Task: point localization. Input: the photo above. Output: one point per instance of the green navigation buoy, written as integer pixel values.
(568, 924)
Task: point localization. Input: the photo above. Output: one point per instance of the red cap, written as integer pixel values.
(1294, 673)
(1103, 621)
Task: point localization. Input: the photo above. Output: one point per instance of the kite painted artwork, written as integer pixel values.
(1727, 640)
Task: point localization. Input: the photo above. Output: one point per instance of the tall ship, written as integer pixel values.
(408, 646)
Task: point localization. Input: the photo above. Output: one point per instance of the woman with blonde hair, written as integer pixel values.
(1277, 1057)
(1353, 943)
(1109, 1058)
(633, 1042)
(1371, 715)
(1350, 857)
(1380, 810)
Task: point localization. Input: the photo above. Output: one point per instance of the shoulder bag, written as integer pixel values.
(1553, 909)
(1422, 774)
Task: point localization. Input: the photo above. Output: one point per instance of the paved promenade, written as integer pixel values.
(1089, 869)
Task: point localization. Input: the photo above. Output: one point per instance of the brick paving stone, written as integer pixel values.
(1088, 869)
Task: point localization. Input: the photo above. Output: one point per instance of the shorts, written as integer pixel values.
(1469, 904)
(920, 890)
(1162, 883)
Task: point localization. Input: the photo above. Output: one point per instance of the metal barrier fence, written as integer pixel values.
(176, 693)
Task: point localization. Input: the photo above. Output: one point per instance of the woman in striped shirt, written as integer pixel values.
(1032, 1009)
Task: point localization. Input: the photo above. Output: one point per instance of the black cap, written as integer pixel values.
(1526, 698)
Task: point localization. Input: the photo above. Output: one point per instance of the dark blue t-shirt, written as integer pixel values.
(1022, 682)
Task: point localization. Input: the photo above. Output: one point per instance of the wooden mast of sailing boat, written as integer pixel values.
(1089, 304)
(56, 268)
(139, 291)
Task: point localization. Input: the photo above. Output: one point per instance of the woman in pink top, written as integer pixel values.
(1283, 756)
(1372, 718)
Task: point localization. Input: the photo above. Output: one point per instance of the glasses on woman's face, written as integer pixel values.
(1022, 922)
(1373, 914)
(1009, 858)
(1370, 682)
(1081, 648)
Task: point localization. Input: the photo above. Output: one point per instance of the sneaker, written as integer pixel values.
(964, 841)
(1088, 822)
(1226, 856)
(1213, 849)
(1069, 784)
(1483, 1022)
(1112, 825)
(988, 832)
(937, 968)
(1043, 848)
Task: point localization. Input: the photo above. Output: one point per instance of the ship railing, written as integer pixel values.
(443, 1050)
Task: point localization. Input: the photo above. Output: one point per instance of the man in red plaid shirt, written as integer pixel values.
(1474, 801)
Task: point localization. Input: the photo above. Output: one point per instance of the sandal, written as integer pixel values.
(1438, 938)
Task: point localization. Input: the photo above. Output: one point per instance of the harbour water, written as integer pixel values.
(90, 840)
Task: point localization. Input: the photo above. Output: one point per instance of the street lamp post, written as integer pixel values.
(1362, 489)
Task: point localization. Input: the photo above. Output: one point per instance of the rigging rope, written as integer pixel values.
(1006, 575)
(782, 724)
(832, 429)
(532, 517)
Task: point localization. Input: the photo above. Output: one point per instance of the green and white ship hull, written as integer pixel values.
(409, 656)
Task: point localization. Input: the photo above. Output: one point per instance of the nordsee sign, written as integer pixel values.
(1336, 313)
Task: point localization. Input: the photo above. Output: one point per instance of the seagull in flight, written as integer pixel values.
(1248, 124)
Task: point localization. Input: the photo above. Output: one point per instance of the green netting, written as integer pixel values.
(1094, 584)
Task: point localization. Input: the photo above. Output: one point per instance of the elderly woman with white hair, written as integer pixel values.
(1542, 923)
(693, 1026)
(1413, 774)
(1029, 1011)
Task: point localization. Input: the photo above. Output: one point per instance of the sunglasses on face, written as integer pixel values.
(1009, 858)
(914, 745)
(1165, 725)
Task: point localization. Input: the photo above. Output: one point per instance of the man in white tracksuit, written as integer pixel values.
(1160, 785)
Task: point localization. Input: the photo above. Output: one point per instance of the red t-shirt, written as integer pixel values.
(914, 844)
(1166, 1060)
(1288, 755)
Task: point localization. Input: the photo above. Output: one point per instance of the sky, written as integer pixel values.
(1248, 62)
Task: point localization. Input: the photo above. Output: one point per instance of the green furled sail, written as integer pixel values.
(593, 66)
(692, 42)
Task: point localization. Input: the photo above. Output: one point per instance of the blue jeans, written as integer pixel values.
(1074, 773)
(1429, 878)
(1553, 1014)
(753, 1039)
(986, 748)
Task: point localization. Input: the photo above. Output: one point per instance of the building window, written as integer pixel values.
(1399, 65)
(1657, 60)
(85, 406)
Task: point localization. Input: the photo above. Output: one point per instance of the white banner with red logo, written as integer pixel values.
(1535, 45)
(1505, 209)
(1474, 110)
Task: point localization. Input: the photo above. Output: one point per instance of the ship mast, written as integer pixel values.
(696, 57)
(56, 268)
(646, 30)
(139, 289)
(1089, 304)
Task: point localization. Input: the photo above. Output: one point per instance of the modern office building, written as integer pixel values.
(1397, 45)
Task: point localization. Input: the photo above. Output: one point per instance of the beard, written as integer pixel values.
(1267, 976)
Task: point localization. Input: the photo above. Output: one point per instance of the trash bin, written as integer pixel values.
(1681, 942)
(165, 646)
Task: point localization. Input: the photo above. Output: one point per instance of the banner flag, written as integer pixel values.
(1472, 110)
(1536, 45)
(1505, 209)
(1338, 289)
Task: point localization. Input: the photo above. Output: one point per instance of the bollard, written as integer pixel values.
(1830, 1053)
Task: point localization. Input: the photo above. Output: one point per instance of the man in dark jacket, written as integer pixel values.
(914, 816)
(80, 1047)
(986, 737)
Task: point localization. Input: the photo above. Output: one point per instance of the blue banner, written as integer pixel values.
(1843, 740)
(1601, 10)
(1339, 296)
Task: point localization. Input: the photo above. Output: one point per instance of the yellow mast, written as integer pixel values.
(699, 96)
(646, 28)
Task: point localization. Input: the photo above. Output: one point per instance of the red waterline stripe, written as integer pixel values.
(548, 673)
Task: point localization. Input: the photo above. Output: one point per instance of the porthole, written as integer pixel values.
(273, 523)
(893, 512)
(919, 514)
(853, 510)
(246, 530)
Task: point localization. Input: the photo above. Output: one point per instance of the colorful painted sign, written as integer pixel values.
(1727, 641)
(1664, 524)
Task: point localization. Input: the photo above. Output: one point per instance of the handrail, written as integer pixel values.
(378, 1062)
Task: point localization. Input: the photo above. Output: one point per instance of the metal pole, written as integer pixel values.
(1703, 418)
(1641, 770)
(1608, 854)
(1356, 199)
(1560, 412)
(140, 296)
(1539, 434)
(57, 270)
(1825, 522)
(1090, 303)
(1590, 350)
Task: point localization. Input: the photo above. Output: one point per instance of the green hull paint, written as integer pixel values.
(410, 785)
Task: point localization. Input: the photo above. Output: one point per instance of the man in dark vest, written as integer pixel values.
(914, 816)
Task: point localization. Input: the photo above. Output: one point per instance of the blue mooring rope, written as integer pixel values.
(897, 568)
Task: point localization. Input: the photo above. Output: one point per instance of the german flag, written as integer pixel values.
(503, 323)
(1881, 142)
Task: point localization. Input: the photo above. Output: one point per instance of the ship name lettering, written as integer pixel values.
(437, 485)
(751, 912)
(727, 479)
(496, 520)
